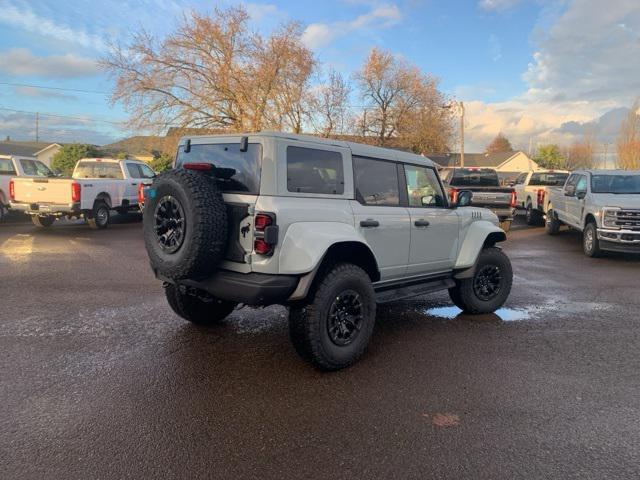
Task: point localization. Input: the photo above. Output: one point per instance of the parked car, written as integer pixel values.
(97, 186)
(486, 188)
(16, 166)
(326, 227)
(532, 192)
(602, 204)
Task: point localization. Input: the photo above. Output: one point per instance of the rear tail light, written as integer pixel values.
(141, 193)
(76, 192)
(541, 193)
(514, 199)
(205, 167)
(453, 195)
(266, 233)
(12, 190)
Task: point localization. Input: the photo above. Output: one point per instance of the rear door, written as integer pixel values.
(434, 226)
(133, 179)
(564, 203)
(380, 215)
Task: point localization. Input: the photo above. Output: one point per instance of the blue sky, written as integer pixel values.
(527, 68)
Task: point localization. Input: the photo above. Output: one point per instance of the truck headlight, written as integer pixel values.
(610, 217)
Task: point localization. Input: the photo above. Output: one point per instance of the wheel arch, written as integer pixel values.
(105, 197)
(590, 218)
(479, 235)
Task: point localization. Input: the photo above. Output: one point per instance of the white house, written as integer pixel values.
(508, 164)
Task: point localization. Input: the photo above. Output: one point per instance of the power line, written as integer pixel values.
(76, 90)
(82, 119)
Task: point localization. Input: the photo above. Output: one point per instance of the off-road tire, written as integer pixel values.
(98, 219)
(205, 224)
(591, 249)
(43, 221)
(552, 224)
(197, 307)
(464, 295)
(309, 321)
(532, 216)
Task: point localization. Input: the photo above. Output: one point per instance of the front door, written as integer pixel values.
(379, 214)
(434, 226)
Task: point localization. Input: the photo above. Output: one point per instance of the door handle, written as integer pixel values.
(134, 184)
(368, 223)
(421, 223)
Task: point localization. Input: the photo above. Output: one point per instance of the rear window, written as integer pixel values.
(99, 170)
(35, 168)
(310, 170)
(548, 179)
(245, 167)
(469, 177)
(6, 167)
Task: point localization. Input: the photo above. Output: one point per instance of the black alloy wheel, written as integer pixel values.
(487, 282)
(170, 224)
(345, 318)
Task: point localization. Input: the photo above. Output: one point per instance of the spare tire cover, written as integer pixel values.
(185, 224)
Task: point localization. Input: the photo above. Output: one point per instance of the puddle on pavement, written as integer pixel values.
(505, 314)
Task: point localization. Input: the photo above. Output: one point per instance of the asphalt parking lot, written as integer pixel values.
(99, 379)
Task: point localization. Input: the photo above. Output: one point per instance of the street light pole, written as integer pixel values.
(462, 134)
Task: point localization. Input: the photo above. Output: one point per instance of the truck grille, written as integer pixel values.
(628, 219)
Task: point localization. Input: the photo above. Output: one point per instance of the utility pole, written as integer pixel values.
(37, 126)
(462, 134)
(606, 147)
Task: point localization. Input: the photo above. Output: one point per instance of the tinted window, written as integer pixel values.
(581, 186)
(134, 171)
(35, 168)
(314, 171)
(240, 170)
(376, 182)
(423, 187)
(6, 167)
(145, 171)
(99, 170)
(521, 179)
(621, 184)
(469, 177)
(548, 179)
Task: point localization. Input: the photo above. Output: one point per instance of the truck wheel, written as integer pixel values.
(332, 329)
(552, 224)
(590, 242)
(3, 211)
(197, 307)
(532, 216)
(185, 224)
(489, 287)
(505, 225)
(42, 221)
(99, 218)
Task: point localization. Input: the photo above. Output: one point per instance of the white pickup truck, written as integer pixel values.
(602, 204)
(17, 166)
(97, 186)
(532, 192)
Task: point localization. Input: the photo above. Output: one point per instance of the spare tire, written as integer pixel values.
(185, 224)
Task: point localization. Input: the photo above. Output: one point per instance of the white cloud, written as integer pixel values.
(25, 18)
(497, 4)
(41, 93)
(317, 35)
(258, 11)
(22, 62)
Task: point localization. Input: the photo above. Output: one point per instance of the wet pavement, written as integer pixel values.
(98, 379)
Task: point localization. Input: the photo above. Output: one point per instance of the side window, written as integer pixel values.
(521, 178)
(6, 167)
(376, 182)
(310, 170)
(134, 170)
(423, 188)
(570, 187)
(581, 186)
(145, 171)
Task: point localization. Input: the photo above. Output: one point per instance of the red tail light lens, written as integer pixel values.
(76, 192)
(12, 190)
(262, 247)
(141, 193)
(205, 167)
(453, 195)
(514, 199)
(266, 233)
(541, 194)
(262, 221)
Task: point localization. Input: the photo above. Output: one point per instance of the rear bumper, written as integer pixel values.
(247, 288)
(619, 240)
(46, 208)
(503, 213)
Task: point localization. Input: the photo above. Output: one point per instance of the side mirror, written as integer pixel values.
(464, 198)
(569, 191)
(581, 194)
(428, 200)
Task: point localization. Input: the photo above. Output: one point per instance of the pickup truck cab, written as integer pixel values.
(97, 186)
(532, 192)
(17, 166)
(484, 183)
(327, 228)
(602, 204)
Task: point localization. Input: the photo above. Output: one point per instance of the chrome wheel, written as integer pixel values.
(102, 216)
(487, 282)
(345, 318)
(588, 240)
(169, 224)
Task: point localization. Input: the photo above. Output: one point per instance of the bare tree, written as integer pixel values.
(499, 144)
(629, 140)
(581, 153)
(330, 105)
(213, 73)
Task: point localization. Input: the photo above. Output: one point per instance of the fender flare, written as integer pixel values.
(104, 196)
(478, 236)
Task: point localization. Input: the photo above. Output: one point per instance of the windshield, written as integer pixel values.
(621, 184)
(467, 177)
(35, 168)
(98, 170)
(244, 166)
(548, 179)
